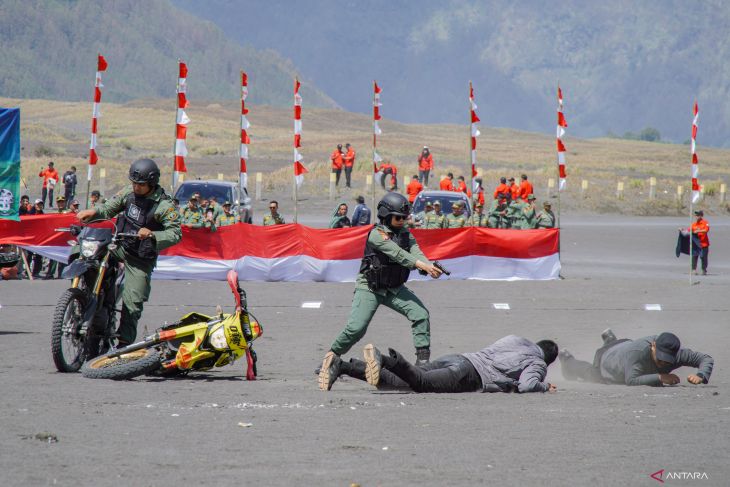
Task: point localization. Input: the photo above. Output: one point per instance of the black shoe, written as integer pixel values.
(373, 364)
(608, 336)
(423, 355)
(330, 371)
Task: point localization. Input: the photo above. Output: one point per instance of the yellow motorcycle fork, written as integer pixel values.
(103, 266)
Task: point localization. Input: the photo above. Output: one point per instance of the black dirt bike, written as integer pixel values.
(85, 318)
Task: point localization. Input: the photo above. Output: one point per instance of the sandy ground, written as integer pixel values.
(159, 432)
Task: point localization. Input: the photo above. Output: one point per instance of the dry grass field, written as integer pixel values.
(59, 131)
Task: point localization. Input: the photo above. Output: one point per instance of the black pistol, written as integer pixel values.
(440, 267)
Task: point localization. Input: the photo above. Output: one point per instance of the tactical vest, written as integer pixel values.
(139, 212)
(380, 270)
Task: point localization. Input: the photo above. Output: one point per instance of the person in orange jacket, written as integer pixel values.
(502, 188)
(447, 183)
(425, 165)
(389, 171)
(701, 228)
(414, 187)
(525, 188)
(337, 161)
(461, 186)
(50, 178)
(479, 191)
(514, 189)
(349, 161)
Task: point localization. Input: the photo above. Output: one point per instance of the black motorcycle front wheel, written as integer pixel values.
(67, 342)
(125, 366)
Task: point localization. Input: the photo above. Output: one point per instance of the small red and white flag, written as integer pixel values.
(562, 125)
(101, 66)
(181, 123)
(378, 175)
(474, 129)
(245, 140)
(695, 159)
(299, 169)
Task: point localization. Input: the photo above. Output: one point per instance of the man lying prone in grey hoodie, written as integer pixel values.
(511, 364)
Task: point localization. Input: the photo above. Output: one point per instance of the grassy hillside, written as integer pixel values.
(49, 50)
(59, 131)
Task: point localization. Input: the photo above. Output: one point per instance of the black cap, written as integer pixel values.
(95, 193)
(667, 347)
(699, 213)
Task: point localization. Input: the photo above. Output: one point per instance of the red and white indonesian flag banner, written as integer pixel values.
(695, 159)
(181, 122)
(378, 175)
(562, 125)
(294, 252)
(101, 66)
(299, 169)
(245, 140)
(474, 131)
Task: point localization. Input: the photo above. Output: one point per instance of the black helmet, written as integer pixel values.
(393, 204)
(144, 171)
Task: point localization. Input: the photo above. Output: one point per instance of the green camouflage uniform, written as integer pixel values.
(433, 220)
(528, 216)
(137, 271)
(478, 220)
(494, 219)
(516, 215)
(454, 221)
(545, 219)
(224, 219)
(193, 216)
(273, 220)
(399, 299)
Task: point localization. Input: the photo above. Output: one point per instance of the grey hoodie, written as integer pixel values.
(510, 363)
(630, 363)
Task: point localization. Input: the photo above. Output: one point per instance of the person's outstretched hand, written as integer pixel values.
(85, 215)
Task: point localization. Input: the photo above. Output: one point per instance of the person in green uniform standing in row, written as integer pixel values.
(456, 219)
(478, 218)
(227, 218)
(434, 219)
(143, 208)
(274, 218)
(390, 254)
(192, 216)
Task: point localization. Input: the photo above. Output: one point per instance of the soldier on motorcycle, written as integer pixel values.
(146, 209)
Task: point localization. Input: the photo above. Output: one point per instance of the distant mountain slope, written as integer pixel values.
(49, 51)
(624, 65)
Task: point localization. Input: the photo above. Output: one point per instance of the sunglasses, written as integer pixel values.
(398, 218)
(272, 207)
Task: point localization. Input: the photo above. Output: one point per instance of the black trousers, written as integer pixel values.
(339, 173)
(348, 175)
(423, 176)
(47, 192)
(702, 254)
(450, 373)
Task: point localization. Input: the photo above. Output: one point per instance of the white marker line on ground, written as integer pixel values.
(312, 304)
(653, 307)
(501, 305)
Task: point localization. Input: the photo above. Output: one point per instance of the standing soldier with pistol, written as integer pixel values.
(391, 252)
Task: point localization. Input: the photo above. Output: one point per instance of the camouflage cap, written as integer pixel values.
(437, 202)
(226, 203)
(530, 196)
(429, 203)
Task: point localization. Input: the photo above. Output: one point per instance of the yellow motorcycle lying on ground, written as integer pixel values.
(195, 342)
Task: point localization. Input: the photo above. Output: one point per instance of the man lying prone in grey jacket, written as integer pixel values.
(511, 364)
(646, 361)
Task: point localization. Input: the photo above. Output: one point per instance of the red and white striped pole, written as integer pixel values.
(562, 125)
(181, 125)
(376, 131)
(299, 169)
(695, 185)
(473, 134)
(245, 140)
(101, 66)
